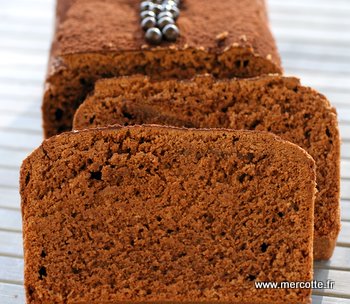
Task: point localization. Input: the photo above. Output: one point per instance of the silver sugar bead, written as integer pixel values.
(165, 21)
(154, 35)
(146, 14)
(164, 14)
(171, 32)
(148, 23)
(170, 2)
(146, 6)
(157, 8)
(172, 9)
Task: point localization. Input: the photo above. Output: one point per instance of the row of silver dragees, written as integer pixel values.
(158, 20)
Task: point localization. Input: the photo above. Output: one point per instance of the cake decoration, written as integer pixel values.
(158, 18)
(154, 35)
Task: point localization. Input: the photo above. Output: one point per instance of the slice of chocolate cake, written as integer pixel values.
(152, 214)
(276, 104)
(99, 39)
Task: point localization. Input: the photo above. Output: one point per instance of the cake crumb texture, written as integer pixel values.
(160, 214)
(272, 103)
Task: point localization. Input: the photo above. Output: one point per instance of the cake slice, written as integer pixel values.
(149, 214)
(98, 39)
(272, 103)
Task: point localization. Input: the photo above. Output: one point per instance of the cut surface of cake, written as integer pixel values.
(100, 39)
(272, 103)
(159, 214)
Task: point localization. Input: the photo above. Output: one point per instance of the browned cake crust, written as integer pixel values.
(272, 103)
(158, 214)
(96, 39)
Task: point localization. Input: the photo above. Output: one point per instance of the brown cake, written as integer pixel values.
(159, 214)
(272, 103)
(99, 39)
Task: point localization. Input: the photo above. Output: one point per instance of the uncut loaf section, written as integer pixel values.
(101, 39)
(273, 103)
(116, 215)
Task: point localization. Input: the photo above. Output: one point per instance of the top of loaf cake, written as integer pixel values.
(114, 25)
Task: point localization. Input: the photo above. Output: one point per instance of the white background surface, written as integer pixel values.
(314, 41)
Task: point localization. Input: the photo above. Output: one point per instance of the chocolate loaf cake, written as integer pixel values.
(99, 39)
(167, 215)
(272, 103)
